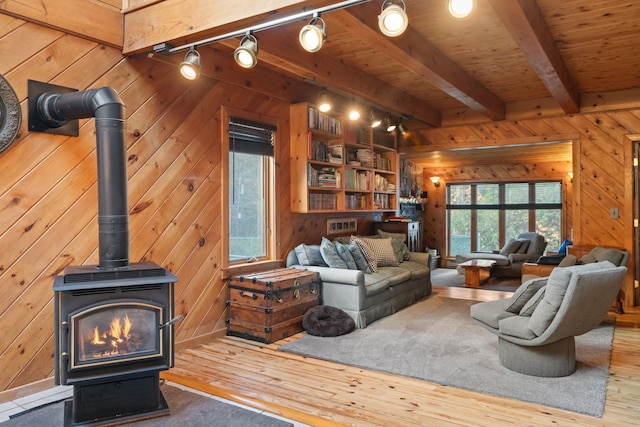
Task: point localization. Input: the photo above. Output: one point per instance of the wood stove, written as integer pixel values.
(113, 321)
(114, 333)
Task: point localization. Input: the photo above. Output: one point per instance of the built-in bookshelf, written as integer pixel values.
(340, 166)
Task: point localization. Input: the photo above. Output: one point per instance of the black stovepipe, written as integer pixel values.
(109, 111)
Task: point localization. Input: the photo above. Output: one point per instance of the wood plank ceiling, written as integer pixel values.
(506, 52)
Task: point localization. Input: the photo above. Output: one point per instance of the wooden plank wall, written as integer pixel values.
(48, 196)
(601, 165)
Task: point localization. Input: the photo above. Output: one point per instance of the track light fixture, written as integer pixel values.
(393, 19)
(389, 125)
(324, 101)
(374, 120)
(354, 113)
(190, 67)
(246, 55)
(313, 34)
(402, 128)
(460, 8)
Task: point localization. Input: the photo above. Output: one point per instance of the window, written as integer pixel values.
(483, 216)
(251, 179)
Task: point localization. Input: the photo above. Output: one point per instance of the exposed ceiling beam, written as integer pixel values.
(184, 21)
(524, 20)
(282, 50)
(415, 53)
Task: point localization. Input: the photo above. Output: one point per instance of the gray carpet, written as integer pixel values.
(451, 277)
(187, 410)
(436, 340)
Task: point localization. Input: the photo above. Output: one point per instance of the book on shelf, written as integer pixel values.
(324, 122)
(398, 219)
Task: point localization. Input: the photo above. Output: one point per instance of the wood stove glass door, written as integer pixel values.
(113, 331)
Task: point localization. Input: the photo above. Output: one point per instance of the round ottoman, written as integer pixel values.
(326, 321)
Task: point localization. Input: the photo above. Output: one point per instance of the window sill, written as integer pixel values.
(250, 267)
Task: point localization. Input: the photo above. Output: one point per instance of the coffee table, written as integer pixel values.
(476, 271)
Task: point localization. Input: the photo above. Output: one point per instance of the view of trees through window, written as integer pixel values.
(483, 216)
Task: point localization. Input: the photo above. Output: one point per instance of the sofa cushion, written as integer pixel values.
(490, 312)
(358, 257)
(309, 255)
(516, 326)
(330, 254)
(524, 247)
(399, 246)
(417, 270)
(568, 261)
(614, 256)
(533, 302)
(556, 288)
(524, 293)
(511, 247)
(346, 256)
(384, 278)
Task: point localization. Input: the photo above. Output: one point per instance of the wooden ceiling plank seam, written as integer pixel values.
(524, 20)
(417, 54)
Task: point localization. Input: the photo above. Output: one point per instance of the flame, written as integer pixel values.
(96, 337)
(115, 329)
(127, 326)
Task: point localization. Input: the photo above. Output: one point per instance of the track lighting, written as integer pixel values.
(389, 125)
(324, 102)
(313, 35)
(393, 18)
(460, 8)
(246, 55)
(374, 120)
(402, 128)
(190, 67)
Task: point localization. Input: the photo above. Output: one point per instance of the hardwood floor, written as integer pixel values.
(321, 393)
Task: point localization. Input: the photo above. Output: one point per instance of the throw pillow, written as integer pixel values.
(358, 258)
(330, 254)
(524, 293)
(533, 302)
(524, 247)
(346, 256)
(309, 255)
(382, 251)
(367, 253)
(587, 259)
(511, 247)
(614, 256)
(568, 261)
(399, 246)
(563, 246)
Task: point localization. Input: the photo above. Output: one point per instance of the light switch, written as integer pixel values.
(613, 213)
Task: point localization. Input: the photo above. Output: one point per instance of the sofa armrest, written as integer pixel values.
(420, 257)
(336, 275)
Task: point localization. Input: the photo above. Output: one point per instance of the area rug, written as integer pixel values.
(192, 409)
(451, 277)
(436, 340)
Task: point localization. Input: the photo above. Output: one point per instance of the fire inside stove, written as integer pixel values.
(123, 331)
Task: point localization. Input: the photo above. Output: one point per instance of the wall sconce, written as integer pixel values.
(570, 174)
(190, 67)
(393, 19)
(436, 181)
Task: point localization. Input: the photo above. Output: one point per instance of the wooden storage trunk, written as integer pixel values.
(270, 305)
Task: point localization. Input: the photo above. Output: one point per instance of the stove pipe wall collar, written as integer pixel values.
(55, 109)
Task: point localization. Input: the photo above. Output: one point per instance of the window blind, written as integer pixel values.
(246, 136)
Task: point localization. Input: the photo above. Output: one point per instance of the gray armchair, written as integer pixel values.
(537, 325)
(527, 247)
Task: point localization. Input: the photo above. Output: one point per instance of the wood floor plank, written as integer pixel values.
(319, 393)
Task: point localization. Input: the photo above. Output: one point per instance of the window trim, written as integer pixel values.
(225, 113)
